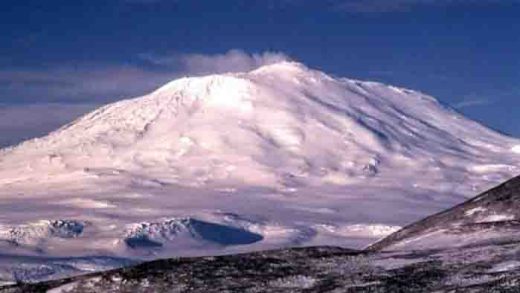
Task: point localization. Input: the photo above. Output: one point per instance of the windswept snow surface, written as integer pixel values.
(279, 156)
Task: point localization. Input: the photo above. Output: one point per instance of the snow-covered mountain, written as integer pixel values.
(278, 126)
(279, 156)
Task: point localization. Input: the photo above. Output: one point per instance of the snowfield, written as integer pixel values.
(279, 156)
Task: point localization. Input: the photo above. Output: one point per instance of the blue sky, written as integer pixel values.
(60, 58)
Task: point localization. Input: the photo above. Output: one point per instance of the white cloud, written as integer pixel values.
(232, 61)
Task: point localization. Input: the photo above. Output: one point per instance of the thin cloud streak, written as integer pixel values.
(38, 100)
(21, 122)
(77, 84)
(351, 6)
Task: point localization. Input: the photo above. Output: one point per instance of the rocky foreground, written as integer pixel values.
(318, 269)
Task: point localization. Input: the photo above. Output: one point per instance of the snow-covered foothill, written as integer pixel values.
(492, 218)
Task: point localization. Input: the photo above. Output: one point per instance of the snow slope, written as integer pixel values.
(279, 156)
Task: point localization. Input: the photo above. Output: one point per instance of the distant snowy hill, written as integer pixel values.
(492, 218)
(279, 156)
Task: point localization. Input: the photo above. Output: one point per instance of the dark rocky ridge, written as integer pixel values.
(318, 269)
(492, 265)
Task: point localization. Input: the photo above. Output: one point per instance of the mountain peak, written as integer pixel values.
(279, 70)
(224, 90)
